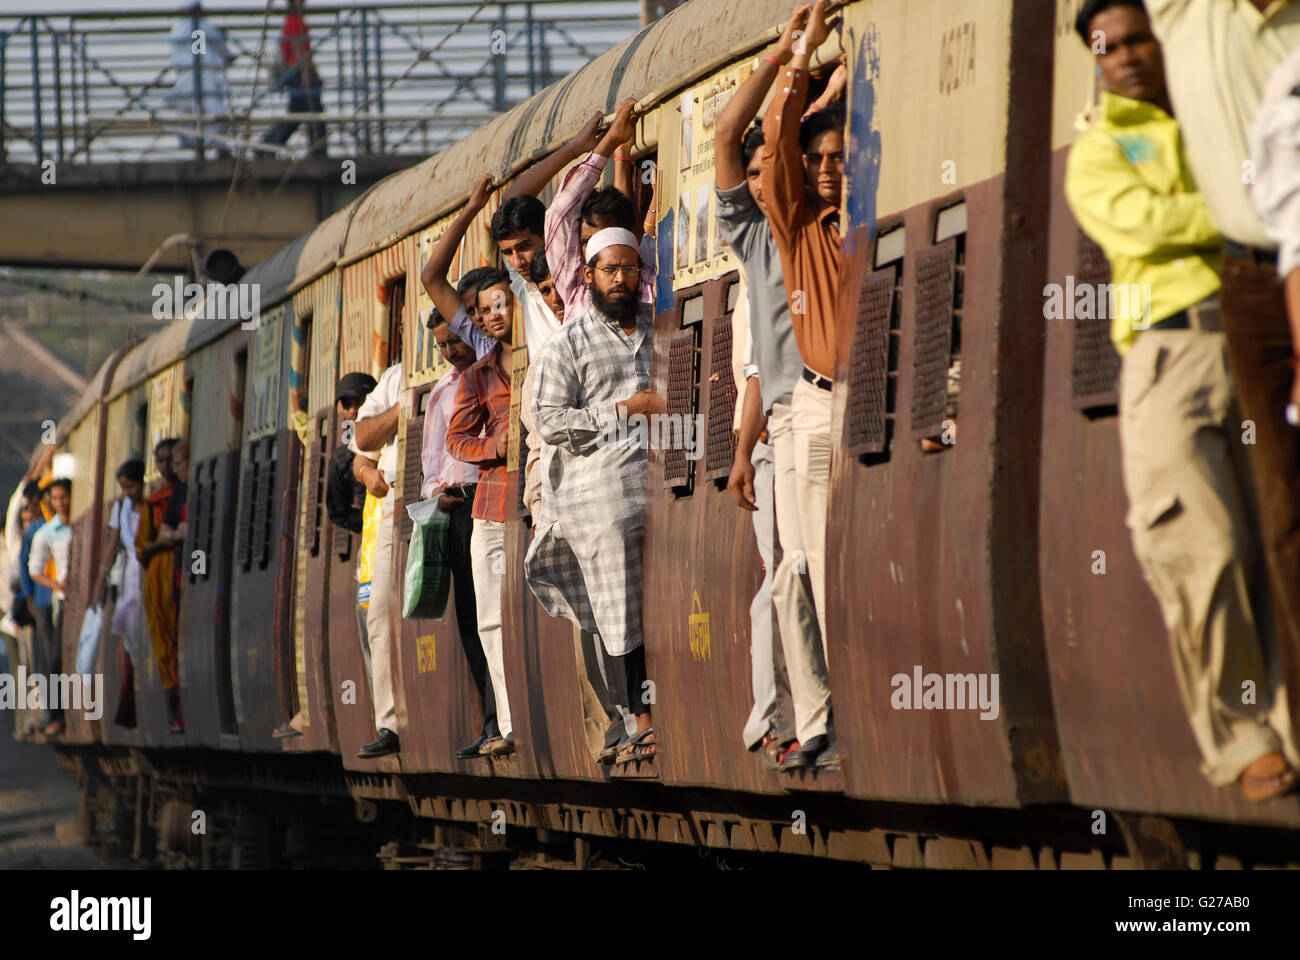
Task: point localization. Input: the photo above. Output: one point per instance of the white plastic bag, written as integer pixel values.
(88, 640)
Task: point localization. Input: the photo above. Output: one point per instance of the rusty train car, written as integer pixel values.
(977, 559)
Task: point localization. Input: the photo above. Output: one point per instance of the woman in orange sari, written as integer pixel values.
(159, 605)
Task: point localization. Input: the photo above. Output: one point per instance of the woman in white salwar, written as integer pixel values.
(123, 572)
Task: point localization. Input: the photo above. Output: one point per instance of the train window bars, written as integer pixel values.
(873, 365)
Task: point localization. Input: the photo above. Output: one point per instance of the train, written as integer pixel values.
(981, 558)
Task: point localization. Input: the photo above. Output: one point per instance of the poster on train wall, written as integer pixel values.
(159, 424)
(698, 254)
(264, 377)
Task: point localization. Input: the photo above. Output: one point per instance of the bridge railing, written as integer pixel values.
(122, 85)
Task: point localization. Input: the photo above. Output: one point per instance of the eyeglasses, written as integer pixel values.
(616, 270)
(449, 343)
(815, 159)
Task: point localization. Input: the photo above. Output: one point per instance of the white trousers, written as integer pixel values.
(792, 590)
(487, 554)
(380, 629)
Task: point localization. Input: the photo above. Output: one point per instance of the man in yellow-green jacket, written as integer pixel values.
(1192, 510)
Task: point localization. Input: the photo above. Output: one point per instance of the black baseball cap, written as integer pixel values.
(354, 386)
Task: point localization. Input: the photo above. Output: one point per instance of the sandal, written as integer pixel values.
(609, 753)
(774, 751)
(637, 747)
(1267, 777)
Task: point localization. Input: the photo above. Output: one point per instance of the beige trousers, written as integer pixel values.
(380, 619)
(810, 409)
(1193, 519)
(792, 590)
(487, 557)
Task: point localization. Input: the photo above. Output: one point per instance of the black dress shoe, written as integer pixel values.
(471, 752)
(806, 755)
(381, 746)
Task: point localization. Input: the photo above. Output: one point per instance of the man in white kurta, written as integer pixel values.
(585, 562)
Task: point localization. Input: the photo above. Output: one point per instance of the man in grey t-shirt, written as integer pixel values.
(763, 473)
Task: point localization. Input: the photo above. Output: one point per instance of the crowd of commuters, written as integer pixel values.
(1197, 91)
(38, 591)
(581, 275)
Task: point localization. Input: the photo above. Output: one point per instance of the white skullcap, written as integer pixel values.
(610, 237)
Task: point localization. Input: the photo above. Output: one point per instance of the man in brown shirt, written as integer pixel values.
(802, 175)
(477, 433)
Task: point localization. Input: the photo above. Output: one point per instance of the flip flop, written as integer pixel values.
(632, 749)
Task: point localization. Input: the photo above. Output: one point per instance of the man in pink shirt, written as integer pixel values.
(453, 483)
(579, 211)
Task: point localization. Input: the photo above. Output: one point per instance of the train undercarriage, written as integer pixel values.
(208, 810)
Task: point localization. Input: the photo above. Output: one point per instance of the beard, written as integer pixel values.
(622, 309)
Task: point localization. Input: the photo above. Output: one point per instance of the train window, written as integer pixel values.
(139, 431)
(873, 367)
(264, 539)
(950, 222)
(890, 246)
(187, 403)
(733, 295)
(235, 431)
(720, 446)
(692, 311)
(396, 310)
(940, 290)
(1094, 362)
(316, 461)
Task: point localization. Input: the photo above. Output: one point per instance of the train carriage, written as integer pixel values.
(971, 559)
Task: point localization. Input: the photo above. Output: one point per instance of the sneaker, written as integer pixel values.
(504, 748)
(381, 746)
(490, 745)
(471, 751)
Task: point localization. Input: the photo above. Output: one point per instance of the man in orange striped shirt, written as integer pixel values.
(802, 176)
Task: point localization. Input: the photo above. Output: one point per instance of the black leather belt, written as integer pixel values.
(1204, 317)
(817, 380)
(1240, 251)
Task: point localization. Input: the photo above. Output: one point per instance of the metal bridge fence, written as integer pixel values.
(120, 86)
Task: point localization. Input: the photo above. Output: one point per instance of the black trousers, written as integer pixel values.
(49, 643)
(633, 665)
(301, 100)
(462, 585)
